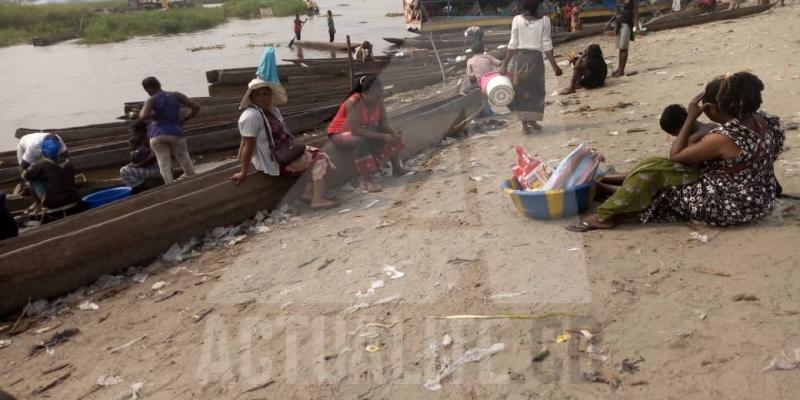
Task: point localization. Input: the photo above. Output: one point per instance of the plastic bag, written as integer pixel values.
(530, 172)
(577, 168)
(474, 354)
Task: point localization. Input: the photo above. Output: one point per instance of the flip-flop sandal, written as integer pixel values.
(581, 227)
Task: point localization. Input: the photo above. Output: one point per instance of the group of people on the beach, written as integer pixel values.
(720, 173)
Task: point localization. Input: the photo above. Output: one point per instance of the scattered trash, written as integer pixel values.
(474, 354)
(541, 355)
(372, 203)
(344, 211)
(372, 348)
(783, 363)
(563, 338)
(596, 376)
(109, 380)
(88, 306)
(174, 254)
(359, 306)
(117, 349)
(595, 354)
(699, 314)
(506, 316)
(135, 388)
(708, 271)
(37, 308)
(376, 284)
(5, 343)
(308, 262)
(446, 341)
(505, 295)
(392, 272)
(159, 285)
(629, 366)
(459, 260)
(476, 178)
(328, 261)
(202, 314)
(140, 277)
(588, 335)
(744, 297)
(168, 296)
(699, 237)
(55, 340)
(44, 329)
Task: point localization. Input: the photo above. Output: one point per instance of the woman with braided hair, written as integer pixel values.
(737, 182)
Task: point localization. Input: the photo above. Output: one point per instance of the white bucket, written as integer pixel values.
(500, 91)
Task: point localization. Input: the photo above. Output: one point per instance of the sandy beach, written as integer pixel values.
(348, 303)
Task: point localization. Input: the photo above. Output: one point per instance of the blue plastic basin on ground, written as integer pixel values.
(107, 196)
(551, 204)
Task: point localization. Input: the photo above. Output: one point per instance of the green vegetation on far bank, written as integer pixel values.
(106, 22)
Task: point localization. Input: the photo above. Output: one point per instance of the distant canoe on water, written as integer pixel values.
(53, 39)
(307, 44)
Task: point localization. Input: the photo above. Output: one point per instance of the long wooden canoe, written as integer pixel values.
(660, 25)
(310, 44)
(67, 254)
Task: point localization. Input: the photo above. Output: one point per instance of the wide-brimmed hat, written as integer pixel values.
(279, 96)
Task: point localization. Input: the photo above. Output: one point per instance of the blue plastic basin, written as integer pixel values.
(107, 196)
(551, 204)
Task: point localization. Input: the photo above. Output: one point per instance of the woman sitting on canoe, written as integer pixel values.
(361, 126)
(271, 148)
(736, 183)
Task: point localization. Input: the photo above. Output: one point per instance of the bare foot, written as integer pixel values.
(617, 74)
(566, 91)
(535, 126)
(372, 187)
(323, 203)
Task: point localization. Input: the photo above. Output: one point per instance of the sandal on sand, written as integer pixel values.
(582, 227)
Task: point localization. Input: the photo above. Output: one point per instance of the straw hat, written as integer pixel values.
(279, 96)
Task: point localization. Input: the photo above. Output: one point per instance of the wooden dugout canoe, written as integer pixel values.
(655, 26)
(70, 253)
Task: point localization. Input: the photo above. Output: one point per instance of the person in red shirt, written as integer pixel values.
(298, 26)
(361, 126)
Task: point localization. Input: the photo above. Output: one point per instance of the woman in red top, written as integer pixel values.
(361, 126)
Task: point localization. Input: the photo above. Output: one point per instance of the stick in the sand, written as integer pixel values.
(712, 272)
(350, 61)
(504, 316)
(436, 52)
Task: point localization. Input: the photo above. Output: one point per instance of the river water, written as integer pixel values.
(71, 85)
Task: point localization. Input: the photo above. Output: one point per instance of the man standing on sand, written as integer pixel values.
(331, 27)
(626, 18)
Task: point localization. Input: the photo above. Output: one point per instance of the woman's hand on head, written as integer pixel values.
(695, 109)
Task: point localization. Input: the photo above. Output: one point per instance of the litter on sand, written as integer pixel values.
(563, 338)
(699, 237)
(5, 343)
(117, 349)
(504, 316)
(108, 380)
(377, 284)
(159, 285)
(372, 348)
(504, 295)
(392, 272)
(55, 340)
(88, 306)
(474, 354)
(783, 363)
(541, 355)
(135, 388)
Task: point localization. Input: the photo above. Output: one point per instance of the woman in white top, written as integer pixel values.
(530, 37)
